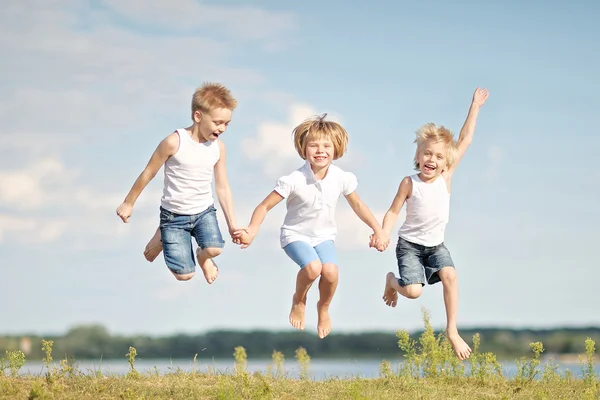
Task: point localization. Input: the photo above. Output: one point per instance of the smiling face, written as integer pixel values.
(432, 159)
(212, 124)
(320, 152)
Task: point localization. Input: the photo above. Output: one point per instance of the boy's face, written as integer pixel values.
(320, 152)
(213, 123)
(432, 158)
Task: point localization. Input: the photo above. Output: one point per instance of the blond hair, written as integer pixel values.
(211, 96)
(314, 128)
(436, 133)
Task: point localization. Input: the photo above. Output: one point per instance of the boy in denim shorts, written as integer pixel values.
(421, 253)
(190, 157)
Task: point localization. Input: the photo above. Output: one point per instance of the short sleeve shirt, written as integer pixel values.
(311, 203)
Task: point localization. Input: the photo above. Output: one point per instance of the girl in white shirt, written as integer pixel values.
(421, 253)
(309, 229)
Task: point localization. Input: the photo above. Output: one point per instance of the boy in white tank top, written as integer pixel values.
(190, 157)
(421, 253)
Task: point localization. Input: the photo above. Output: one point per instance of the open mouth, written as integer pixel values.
(320, 158)
(429, 168)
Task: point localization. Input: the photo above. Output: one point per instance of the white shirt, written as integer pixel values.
(427, 212)
(189, 175)
(311, 203)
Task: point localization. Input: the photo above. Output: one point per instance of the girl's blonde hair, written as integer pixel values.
(315, 128)
(436, 133)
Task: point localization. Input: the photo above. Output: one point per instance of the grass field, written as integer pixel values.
(429, 371)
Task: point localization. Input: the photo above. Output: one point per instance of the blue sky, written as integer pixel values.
(89, 88)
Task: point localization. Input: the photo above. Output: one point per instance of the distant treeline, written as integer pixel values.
(95, 342)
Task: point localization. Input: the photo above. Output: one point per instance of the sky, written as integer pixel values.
(90, 87)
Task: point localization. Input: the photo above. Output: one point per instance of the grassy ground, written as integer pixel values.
(203, 386)
(430, 371)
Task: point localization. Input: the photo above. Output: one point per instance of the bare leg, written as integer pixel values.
(304, 280)
(450, 282)
(154, 247)
(183, 277)
(391, 284)
(206, 263)
(390, 295)
(327, 286)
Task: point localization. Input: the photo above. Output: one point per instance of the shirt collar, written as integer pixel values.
(310, 175)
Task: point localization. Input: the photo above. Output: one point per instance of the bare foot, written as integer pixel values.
(208, 266)
(324, 323)
(390, 296)
(297, 313)
(461, 348)
(154, 247)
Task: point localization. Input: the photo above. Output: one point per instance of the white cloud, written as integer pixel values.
(273, 146)
(31, 230)
(75, 77)
(101, 77)
(242, 22)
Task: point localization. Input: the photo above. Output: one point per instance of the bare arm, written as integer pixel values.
(166, 148)
(222, 188)
(391, 216)
(246, 236)
(258, 216)
(362, 211)
(466, 133)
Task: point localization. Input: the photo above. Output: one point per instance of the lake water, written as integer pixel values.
(319, 368)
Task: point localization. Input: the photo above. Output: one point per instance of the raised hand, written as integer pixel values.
(480, 96)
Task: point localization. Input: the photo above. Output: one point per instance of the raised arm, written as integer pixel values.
(223, 190)
(466, 133)
(166, 148)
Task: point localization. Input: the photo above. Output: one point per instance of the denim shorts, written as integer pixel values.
(420, 264)
(302, 253)
(176, 233)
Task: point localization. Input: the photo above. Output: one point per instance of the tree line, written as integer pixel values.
(95, 342)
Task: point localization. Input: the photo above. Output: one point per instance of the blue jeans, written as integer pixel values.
(302, 253)
(176, 233)
(420, 264)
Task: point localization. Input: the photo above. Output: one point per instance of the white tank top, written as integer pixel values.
(427, 212)
(188, 176)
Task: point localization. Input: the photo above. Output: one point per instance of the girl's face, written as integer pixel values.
(320, 152)
(432, 159)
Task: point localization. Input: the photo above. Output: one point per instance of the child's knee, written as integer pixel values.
(183, 277)
(329, 272)
(448, 276)
(212, 252)
(414, 291)
(313, 269)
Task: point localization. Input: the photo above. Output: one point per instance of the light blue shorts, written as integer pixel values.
(302, 253)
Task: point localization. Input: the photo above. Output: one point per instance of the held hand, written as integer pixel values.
(380, 241)
(480, 96)
(234, 238)
(244, 237)
(124, 211)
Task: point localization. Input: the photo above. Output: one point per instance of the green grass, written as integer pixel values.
(430, 371)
